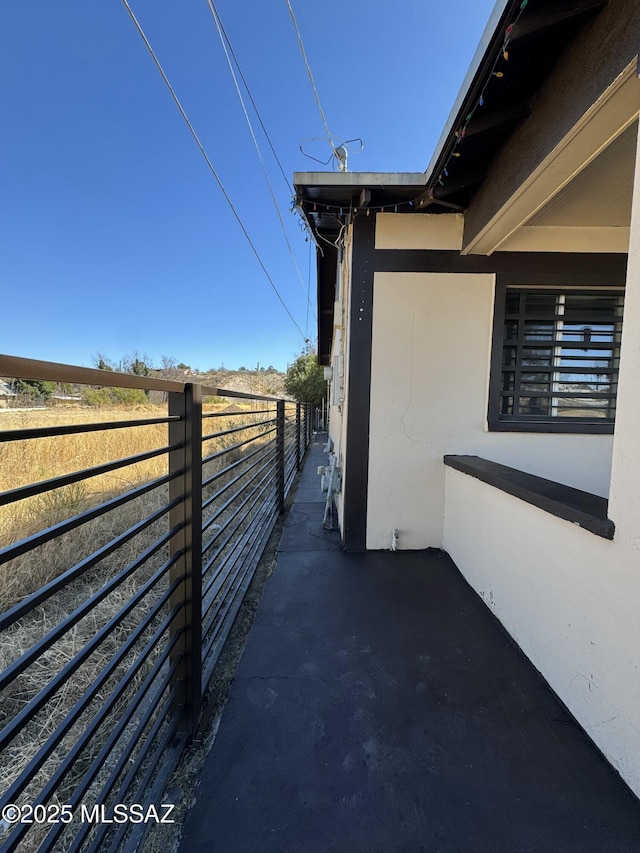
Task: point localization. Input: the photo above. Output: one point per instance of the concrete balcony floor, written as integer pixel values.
(380, 707)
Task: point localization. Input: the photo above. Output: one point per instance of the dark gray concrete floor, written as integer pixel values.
(380, 707)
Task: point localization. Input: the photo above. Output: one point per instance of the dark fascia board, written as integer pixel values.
(581, 508)
(481, 65)
(507, 27)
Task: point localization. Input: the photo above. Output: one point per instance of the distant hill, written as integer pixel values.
(269, 383)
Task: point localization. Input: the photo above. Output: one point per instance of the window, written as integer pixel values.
(558, 354)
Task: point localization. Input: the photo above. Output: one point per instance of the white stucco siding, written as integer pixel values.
(568, 598)
(624, 496)
(429, 389)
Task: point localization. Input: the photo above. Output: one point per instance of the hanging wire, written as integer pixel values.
(313, 85)
(216, 18)
(306, 323)
(248, 91)
(209, 163)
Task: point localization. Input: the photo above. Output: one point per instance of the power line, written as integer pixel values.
(313, 85)
(223, 36)
(248, 90)
(209, 163)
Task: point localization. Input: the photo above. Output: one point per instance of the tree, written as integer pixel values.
(304, 380)
(36, 389)
(102, 362)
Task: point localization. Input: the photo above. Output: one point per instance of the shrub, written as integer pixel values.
(115, 396)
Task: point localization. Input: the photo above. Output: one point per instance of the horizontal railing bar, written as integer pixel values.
(235, 446)
(222, 471)
(240, 414)
(243, 473)
(215, 623)
(123, 721)
(78, 476)
(74, 429)
(39, 700)
(251, 499)
(48, 747)
(97, 841)
(210, 591)
(36, 598)
(242, 395)
(232, 430)
(217, 581)
(165, 770)
(230, 500)
(217, 641)
(10, 552)
(30, 368)
(232, 604)
(121, 795)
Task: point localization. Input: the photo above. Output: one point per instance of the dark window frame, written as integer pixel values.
(559, 284)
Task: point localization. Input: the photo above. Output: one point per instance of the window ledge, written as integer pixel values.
(582, 508)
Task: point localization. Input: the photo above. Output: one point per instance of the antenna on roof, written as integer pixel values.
(340, 153)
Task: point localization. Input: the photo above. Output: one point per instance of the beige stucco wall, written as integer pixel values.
(567, 597)
(429, 388)
(625, 475)
(419, 231)
(338, 408)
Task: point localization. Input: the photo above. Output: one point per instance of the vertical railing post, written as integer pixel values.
(307, 421)
(188, 544)
(298, 453)
(280, 455)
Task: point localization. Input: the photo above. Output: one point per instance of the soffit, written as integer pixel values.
(601, 194)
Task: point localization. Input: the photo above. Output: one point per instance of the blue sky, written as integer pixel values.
(114, 235)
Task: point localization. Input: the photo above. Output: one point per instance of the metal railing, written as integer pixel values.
(106, 662)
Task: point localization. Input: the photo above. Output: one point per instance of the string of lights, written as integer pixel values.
(339, 210)
(210, 165)
(496, 72)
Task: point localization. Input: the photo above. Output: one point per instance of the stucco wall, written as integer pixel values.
(625, 475)
(429, 387)
(426, 231)
(567, 597)
(338, 410)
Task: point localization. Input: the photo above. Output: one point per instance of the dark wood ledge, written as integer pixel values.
(583, 508)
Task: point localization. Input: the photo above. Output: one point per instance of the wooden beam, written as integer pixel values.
(552, 14)
(465, 180)
(489, 120)
(365, 198)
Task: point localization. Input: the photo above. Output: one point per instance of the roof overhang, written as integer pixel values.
(326, 199)
(520, 46)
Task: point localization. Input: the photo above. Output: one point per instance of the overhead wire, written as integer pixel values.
(224, 40)
(253, 103)
(310, 75)
(210, 164)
